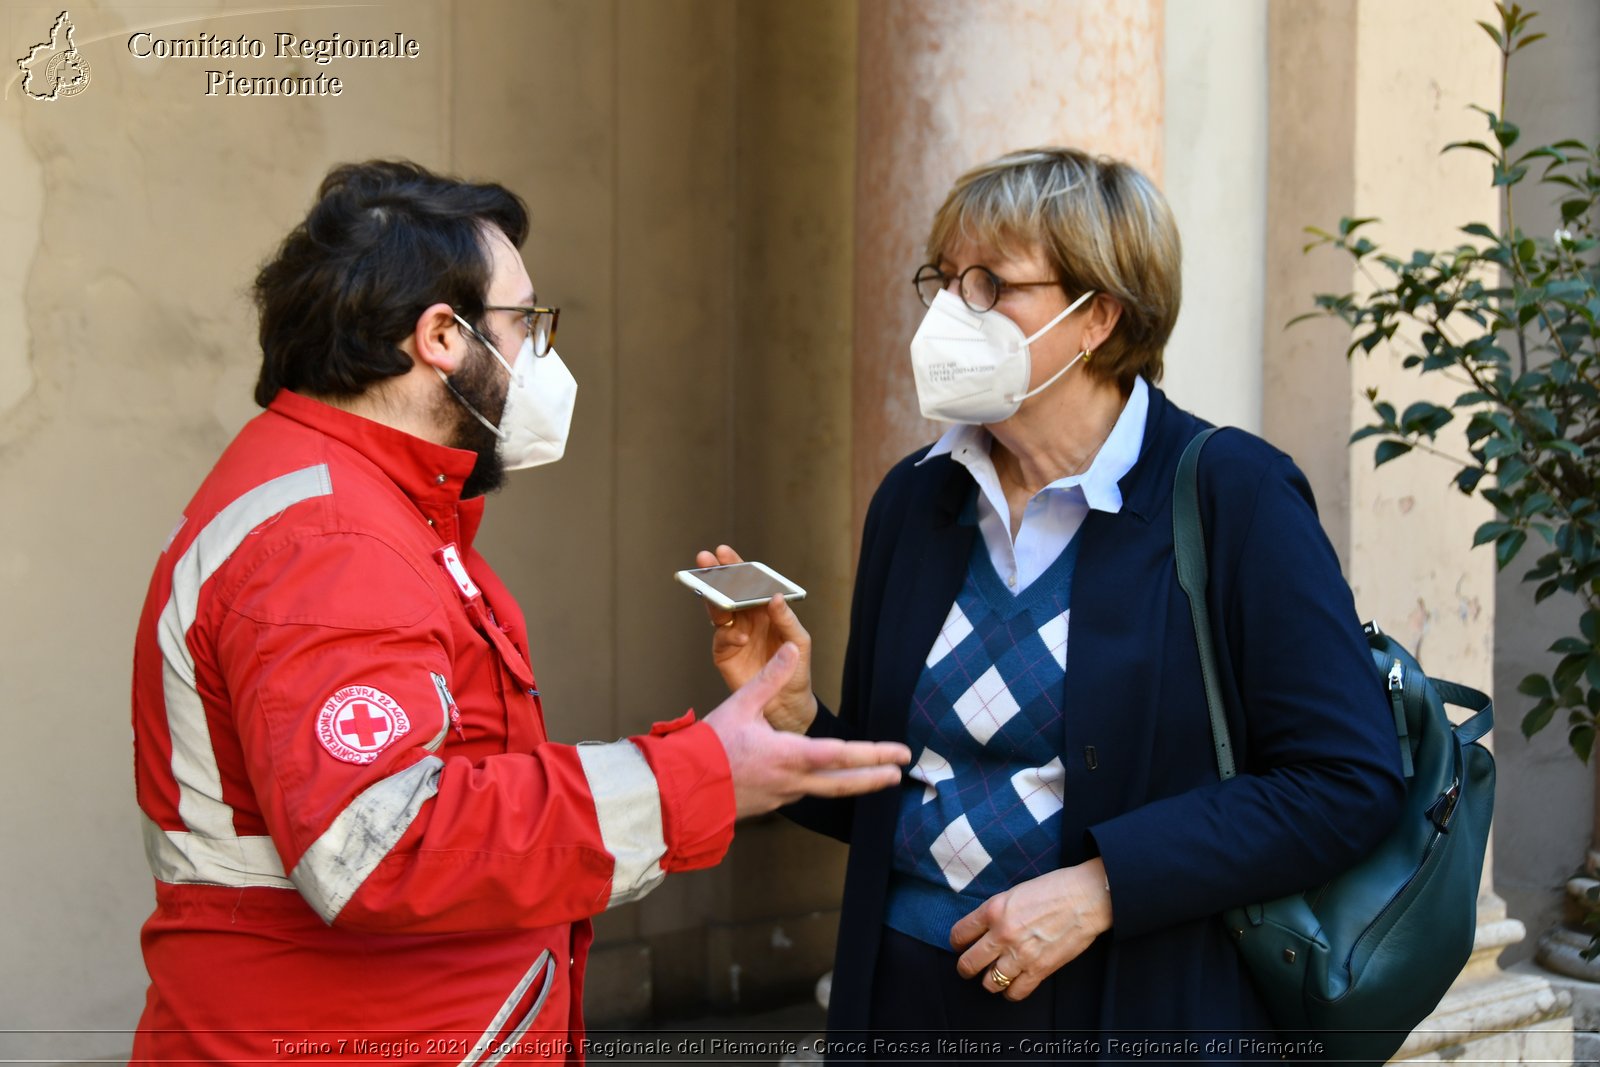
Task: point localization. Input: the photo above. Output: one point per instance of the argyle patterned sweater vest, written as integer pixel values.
(980, 807)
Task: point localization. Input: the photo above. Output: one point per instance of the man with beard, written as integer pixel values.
(364, 844)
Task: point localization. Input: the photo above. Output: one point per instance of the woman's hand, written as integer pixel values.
(743, 641)
(1033, 929)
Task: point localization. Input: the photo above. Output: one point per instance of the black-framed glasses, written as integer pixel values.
(539, 322)
(979, 287)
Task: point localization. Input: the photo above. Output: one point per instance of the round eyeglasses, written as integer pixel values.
(979, 287)
(539, 322)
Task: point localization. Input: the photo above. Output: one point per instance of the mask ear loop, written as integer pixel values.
(1048, 382)
(487, 425)
(502, 359)
(1047, 327)
(445, 378)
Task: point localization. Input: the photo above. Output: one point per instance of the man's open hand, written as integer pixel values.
(771, 767)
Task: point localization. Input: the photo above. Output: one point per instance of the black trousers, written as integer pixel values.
(924, 1011)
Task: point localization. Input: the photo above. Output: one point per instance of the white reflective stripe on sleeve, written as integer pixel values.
(178, 857)
(333, 868)
(627, 803)
(194, 761)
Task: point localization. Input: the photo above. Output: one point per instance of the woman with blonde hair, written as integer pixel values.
(1055, 862)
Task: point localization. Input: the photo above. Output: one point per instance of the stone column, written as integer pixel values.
(1365, 140)
(945, 85)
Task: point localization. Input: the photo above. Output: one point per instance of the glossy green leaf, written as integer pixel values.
(1468, 478)
(1581, 739)
(1489, 531)
(1568, 671)
(1506, 549)
(1538, 718)
(1388, 450)
(1534, 685)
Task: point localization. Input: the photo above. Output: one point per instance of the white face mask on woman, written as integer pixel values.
(538, 412)
(973, 367)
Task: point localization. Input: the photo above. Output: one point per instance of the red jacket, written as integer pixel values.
(363, 842)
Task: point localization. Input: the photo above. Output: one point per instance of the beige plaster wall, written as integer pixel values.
(794, 284)
(1366, 94)
(1544, 789)
(135, 214)
(689, 167)
(1411, 562)
(1214, 143)
(1310, 181)
(1364, 97)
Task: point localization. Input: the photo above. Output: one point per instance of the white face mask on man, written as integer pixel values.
(539, 402)
(973, 367)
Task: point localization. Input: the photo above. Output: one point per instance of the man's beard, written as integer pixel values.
(482, 383)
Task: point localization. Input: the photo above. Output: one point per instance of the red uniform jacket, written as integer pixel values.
(364, 844)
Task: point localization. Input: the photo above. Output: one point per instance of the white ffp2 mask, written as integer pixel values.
(539, 402)
(973, 367)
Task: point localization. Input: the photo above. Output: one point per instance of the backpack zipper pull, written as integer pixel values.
(1397, 682)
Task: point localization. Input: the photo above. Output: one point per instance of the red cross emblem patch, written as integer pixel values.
(358, 722)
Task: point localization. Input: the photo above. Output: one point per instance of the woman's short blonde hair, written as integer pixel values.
(1102, 225)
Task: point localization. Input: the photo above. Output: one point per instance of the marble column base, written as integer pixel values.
(1561, 951)
(1546, 1043)
(1509, 1018)
(1561, 947)
(1585, 1013)
(1492, 1015)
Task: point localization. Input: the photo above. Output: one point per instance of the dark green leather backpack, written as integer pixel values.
(1354, 965)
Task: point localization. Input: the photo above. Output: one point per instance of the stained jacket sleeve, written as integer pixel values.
(408, 838)
(1319, 784)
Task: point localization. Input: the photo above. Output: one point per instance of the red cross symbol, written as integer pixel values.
(362, 724)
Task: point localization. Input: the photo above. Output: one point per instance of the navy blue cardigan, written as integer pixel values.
(1320, 778)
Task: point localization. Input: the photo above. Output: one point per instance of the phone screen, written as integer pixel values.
(743, 581)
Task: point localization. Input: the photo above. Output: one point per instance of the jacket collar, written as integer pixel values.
(430, 475)
(1149, 482)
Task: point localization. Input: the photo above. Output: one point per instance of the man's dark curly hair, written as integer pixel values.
(384, 240)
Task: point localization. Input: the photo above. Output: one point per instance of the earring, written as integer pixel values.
(1086, 355)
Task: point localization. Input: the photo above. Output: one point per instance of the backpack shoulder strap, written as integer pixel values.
(1189, 549)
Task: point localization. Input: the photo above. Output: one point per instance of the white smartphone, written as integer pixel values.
(737, 586)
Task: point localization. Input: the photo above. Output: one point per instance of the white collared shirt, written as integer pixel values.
(1053, 515)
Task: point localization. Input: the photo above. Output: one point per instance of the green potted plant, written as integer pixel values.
(1514, 319)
